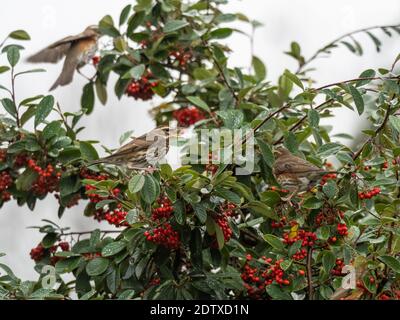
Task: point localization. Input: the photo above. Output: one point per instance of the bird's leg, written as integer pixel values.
(150, 170)
(83, 75)
(289, 198)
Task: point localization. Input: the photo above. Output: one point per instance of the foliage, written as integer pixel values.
(200, 232)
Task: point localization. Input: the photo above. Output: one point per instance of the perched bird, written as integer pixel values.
(78, 51)
(142, 152)
(294, 173)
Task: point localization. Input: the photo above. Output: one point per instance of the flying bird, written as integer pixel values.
(78, 50)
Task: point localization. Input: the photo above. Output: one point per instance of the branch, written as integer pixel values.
(309, 274)
(301, 120)
(369, 140)
(80, 233)
(355, 80)
(221, 72)
(349, 34)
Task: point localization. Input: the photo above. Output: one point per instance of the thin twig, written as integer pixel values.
(309, 273)
(301, 120)
(80, 233)
(369, 140)
(221, 72)
(354, 80)
(349, 34)
(14, 98)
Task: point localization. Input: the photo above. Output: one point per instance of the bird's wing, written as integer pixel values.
(295, 165)
(67, 74)
(56, 51)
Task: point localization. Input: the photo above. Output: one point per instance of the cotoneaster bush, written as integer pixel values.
(200, 231)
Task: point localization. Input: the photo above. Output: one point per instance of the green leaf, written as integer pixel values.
(200, 211)
(101, 91)
(312, 203)
(329, 149)
(233, 119)
(43, 109)
(13, 55)
(262, 210)
(97, 266)
(292, 77)
(136, 72)
(395, 122)
(358, 99)
(125, 14)
(19, 35)
(149, 190)
(266, 152)
(88, 151)
(313, 118)
(10, 107)
(221, 33)
(87, 99)
(135, 21)
(274, 242)
(259, 68)
(136, 183)
(67, 265)
(391, 262)
(370, 73)
(179, 212)
(328, 261)
(199, 103)
(174, 25)
(113, 248)
(4, 69)
(375, 40)
(49, 240)
(330, 189)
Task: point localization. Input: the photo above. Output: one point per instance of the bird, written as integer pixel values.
(78, 50)
(294, 173)
(141, 153)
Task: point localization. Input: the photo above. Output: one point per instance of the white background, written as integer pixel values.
(312, 23)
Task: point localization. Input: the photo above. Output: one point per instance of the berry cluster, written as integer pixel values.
(39, 251)
(307, 238)
(87, 174)
(328, 216)
(164, 210)
(256, 279)
(181, 57)
(142, 88)
(228, 209)
(280, 224)
(210, 167)
(96, 60)
(164, 235)
(21, 160)
(116, 217)
(327, 177)
(48, 180)
(369, 194)
(3, 155)
(91, 255)
(5, 182)
(337, 270)
(223, 223)
(188, 116)
(72, 202)
(342, 229)
(300, 255)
